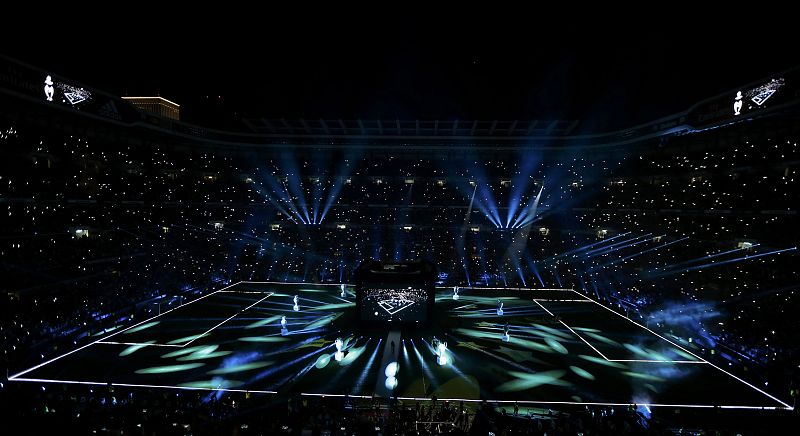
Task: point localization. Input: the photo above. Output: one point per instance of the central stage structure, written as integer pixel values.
(395, 294)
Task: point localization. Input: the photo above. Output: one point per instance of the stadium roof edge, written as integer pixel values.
(25, 81)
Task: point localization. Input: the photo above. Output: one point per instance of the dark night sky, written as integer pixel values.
(605, 74)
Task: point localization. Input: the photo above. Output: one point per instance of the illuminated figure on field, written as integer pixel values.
(344, 294)
(339, 354)
(48, 88)
(455, 292)
(296, 307)
(441, 349)
(737, 105)
(506, 338)
(499, 308)
(284, 330)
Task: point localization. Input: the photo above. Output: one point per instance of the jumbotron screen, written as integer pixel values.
(394, 302)
(400, 293)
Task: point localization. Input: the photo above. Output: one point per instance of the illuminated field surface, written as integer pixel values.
(561, 347)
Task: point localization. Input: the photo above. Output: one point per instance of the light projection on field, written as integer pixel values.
(546, 346)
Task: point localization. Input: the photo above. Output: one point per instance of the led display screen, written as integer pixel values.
(398, 293)
(393, 302)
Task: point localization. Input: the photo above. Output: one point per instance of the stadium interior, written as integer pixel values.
(640, 281)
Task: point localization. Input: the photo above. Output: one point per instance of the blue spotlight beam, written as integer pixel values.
(534, 268)
(586, 247)
(529, 214)
(292, 178)
(280, 190)
(521, 182)
(613, 247)
(261, 191)
(350, 161)
(487, 204)
(296, 188)
(622, 259)
(738, 259)
(632, 244)
(699, 259)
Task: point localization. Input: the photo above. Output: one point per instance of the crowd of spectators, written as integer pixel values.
(696, 236)
(118, 410)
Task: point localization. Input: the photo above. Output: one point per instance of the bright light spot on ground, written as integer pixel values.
(582, 372)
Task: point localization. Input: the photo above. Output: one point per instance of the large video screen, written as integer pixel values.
(403, 303)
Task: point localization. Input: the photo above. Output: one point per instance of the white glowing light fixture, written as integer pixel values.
(391, 375)
(737, 103)
(339, 355)
(48, 88)
(441, 352)
(391, 369)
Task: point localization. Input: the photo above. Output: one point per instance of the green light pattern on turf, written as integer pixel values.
(530, 345)
(496, 336)
(487, 301)
(602, 338)
(322, 361)
(587, 329)
(602, 361)
(645, 353)
(263, 339)
(186, 339)
(212, 384)
(325, 320)
(333, 306)
(263, 322)
(545, 335)
(556, 345)
(133, 348)
(642, 376)
(685, 355)
(582, 372)
(352, 355)
(169, 368)
(553, 331)
(195, 356)
(239, 368)
(526, 380)
(141, 327)
(189, 350)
